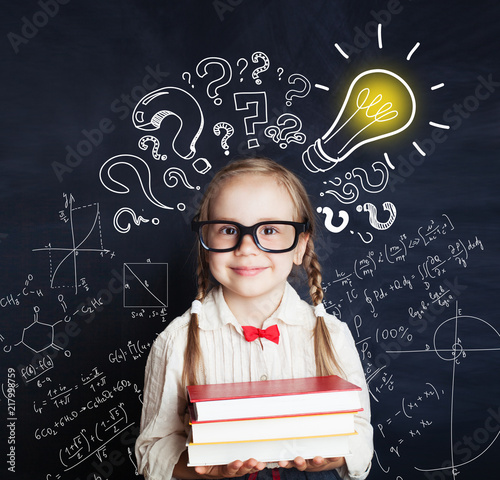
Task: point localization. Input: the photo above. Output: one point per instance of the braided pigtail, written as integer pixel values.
(193, 359)
(326, 361)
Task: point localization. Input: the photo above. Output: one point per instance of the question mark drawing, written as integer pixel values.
(372, 214)
(256, 102)
(154, 149)
(242, 70)
(292, 80)
(136, 219)
(229, 132)
(256, 57)
(175, 174)
(280, 72)
(154, 107)
(215, 85)
(287, 130)
(188, 79)
(328, 212)
(141, 169)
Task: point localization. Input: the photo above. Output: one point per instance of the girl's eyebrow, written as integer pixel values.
(261, 220)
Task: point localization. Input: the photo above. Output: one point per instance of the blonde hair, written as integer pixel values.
(326, 362)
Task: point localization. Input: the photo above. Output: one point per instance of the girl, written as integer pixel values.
(255, 224)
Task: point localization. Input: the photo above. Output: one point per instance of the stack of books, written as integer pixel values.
(271, 420)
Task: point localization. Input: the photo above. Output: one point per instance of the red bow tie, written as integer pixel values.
(272, 333)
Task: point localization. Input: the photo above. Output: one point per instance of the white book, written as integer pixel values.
(274, 450)
(267, 428)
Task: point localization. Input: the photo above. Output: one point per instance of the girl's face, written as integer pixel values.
(248, 272)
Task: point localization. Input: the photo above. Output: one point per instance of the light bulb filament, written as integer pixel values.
(383, 114)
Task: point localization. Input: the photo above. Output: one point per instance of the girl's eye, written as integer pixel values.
(269, 230)
(228, 230)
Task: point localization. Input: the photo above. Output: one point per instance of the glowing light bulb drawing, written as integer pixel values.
(378, 104)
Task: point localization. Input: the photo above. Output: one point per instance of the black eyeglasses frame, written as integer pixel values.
(300, 227)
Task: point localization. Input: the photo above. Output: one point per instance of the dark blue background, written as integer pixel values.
(86, 64)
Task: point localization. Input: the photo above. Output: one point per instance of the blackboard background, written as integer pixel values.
(71, 68)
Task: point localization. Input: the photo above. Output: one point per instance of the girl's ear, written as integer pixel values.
(300, 249)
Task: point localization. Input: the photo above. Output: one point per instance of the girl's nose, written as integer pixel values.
(247, 245)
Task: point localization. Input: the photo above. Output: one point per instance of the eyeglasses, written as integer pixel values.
(275, 236)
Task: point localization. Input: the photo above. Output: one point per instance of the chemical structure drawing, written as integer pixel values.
(39, 336)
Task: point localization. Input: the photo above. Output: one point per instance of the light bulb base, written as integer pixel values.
(315, 159)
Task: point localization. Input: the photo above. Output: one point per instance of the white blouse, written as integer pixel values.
(228, 357)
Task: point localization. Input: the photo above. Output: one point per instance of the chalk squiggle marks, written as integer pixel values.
(329, 213)
(154, 149)
(136, 219)
(141, 169)
(370, 237)
(287, 129)
(154, 107)
(368, 186)
(175, 174)
(372, 214)
(350, 192)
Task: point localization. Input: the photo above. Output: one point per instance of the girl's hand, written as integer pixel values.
(233, 469)
(317, 464)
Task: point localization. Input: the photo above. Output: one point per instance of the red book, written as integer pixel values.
(297, 396)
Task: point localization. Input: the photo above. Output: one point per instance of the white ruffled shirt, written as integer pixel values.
(228, 357)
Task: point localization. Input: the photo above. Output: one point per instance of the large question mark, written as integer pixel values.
(328, 212)
(372, 214)
(154, 107)
(229, 132)
(256, 102)
(292, 80)
(246, 65)
(256, 57)
(139, 166)
(215, 85)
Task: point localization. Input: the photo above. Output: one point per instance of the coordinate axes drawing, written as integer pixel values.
(63, 261)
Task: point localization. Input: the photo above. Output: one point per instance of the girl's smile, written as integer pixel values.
(248, 271)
